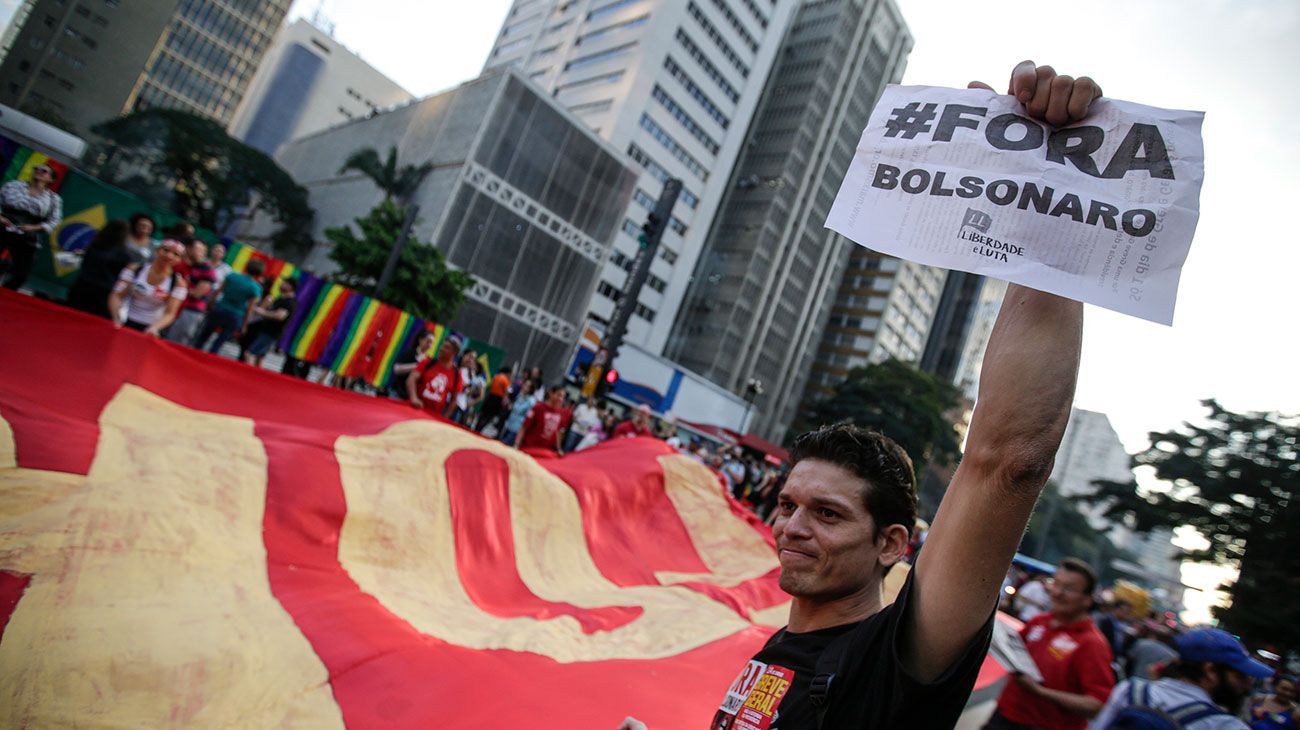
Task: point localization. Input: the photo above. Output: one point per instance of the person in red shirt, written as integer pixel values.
(638, 426)
(546, 422)
(1072, 655)
(433, 386)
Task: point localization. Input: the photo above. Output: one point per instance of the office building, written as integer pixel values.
(86, 62)
(308, 82)
(673, 85)
(761, 294)
(522, 195)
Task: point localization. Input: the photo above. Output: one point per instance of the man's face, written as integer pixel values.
(1285, 691)
(641, 418)
(198, 251)
(556, 398)
(218, 253)
(448, 352)
(1231, 688)
(1069, 593)
(825, 538)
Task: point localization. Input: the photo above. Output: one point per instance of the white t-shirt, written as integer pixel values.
(1034, 591)
(584, 417)
(473, 382)
(145, 302)
(1166, 694)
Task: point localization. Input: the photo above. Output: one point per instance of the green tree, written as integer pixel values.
(422, 284)
(397, 182)
(1235, 478)
(898, 400)
(189, 164)
(1059, 530)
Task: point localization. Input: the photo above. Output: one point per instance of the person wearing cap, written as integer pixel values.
(433, 386)
(638, 426)
(1202, 690)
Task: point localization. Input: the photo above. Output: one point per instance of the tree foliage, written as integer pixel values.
(188, 163)
(1235, 478)
(901, 402)
(397, 182)
(422, 284)
(1059, 530)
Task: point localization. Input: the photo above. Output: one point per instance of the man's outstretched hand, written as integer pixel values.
(1054, 98)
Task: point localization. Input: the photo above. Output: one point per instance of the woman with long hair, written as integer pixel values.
(102, 263)
(27, 209)
(152, 294)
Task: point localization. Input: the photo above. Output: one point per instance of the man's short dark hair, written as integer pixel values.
(890, 496)
(1078, 567)
(255, 268)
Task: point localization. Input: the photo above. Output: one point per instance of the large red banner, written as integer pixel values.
(189, 540)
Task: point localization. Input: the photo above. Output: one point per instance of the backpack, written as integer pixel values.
(1140, 714)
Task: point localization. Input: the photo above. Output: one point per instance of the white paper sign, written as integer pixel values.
(1102, 211)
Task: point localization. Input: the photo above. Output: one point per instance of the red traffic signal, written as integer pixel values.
(611, 377)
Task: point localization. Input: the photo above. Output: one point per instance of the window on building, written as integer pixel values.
(610, 8)
(654, 168)
(592, 107)
(608, 78)
(696, 92)
(736, 25)
(698, 56)
(714, 35)
(600, 56)
(611, 29)
(673, 147)
(696, 131)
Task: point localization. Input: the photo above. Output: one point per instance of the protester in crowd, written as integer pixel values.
(1277, 711)
(1151, 650)
(585, 418)
(734, 467)
(519, 409)
(1031, 598)
(638, 425)
(141, 242)
(494, 402)
(231, 309)
(102, 263)
(200, 279)
(1072, 655)
(266, 331)
(152, 294)
(182, 231)
(435, 384)
(544, 426)
(1115, 623)
(602, 425)
(1203, 690)
(27, 209)
(410, 359)
(217, 260)
(474, 390)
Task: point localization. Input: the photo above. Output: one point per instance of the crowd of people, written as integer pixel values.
(1108, 662)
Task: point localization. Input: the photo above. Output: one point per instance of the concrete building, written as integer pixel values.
(673, 85)
(87, 62)
(1090, 450)
(522, 195)
(761, 294)
(308, 82)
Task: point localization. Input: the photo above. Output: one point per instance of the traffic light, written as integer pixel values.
(650, 230)
(611, 377)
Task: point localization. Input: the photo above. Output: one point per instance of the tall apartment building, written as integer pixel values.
(760, 297)
(672, 84)
(87, 61)
(307, 82)
(523, 196)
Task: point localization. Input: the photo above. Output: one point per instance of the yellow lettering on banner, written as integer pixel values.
(149, 603)
(397, 543)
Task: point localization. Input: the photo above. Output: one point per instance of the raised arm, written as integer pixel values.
(1026, 389)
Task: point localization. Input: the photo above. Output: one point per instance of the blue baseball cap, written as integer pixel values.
(1219, 647)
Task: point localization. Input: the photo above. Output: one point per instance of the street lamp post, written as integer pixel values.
(753, 389)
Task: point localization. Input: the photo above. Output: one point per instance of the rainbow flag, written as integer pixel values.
(238, 256)
(309, 291)
(311, 338)
(396, 338)
(359, 341)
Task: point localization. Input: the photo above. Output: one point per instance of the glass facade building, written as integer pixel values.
(81, 63)
(522, 196)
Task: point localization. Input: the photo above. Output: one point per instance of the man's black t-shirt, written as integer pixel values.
(871, 691)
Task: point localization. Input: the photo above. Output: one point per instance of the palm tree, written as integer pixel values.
(398, 183)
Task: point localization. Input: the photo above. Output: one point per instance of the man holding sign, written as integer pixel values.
(846, 660)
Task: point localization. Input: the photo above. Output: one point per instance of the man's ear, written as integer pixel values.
(894, 540)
